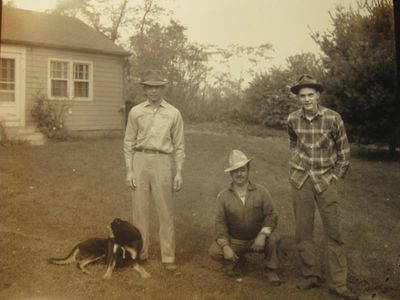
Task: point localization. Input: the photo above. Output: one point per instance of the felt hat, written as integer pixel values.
(306, 81)
(153, 78)
(237, 159)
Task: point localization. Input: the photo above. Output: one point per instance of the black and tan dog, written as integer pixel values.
(120, 249)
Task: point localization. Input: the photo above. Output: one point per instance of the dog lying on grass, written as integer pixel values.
(120, 249)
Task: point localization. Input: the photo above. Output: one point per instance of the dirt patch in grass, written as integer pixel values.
(56, 195)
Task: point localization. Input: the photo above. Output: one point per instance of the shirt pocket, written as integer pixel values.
(325, 140)
(163, 125)
(255, 209)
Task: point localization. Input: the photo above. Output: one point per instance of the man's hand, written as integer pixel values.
(259, 242)
(131, 179)
(178, 180)
(229, 254)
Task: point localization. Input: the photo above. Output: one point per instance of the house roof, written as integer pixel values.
(25, 27)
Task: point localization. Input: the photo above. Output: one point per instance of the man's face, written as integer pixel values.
(153, 93)
(309, 99)
(240, 176)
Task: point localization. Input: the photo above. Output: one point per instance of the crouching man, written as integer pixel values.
(245, 220)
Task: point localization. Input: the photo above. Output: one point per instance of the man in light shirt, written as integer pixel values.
(154, 155)
(245, 220)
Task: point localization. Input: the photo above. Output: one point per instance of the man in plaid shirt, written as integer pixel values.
(319, 159)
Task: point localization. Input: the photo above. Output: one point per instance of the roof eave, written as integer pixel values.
(121, 53)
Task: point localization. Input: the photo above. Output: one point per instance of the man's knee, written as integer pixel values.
(272, 239)
(215, 251)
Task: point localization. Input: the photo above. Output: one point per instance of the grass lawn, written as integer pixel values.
(53, 196)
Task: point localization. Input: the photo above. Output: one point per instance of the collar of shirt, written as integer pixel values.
(320, 112)
(163, 103)
(250, 187)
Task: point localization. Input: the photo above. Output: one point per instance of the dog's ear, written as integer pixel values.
(110, 232)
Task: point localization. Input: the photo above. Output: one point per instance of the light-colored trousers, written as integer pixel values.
(304, 202)
(241, 247)
(153, 174)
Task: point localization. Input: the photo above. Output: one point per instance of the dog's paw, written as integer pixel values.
(145, 275)
(106, 276)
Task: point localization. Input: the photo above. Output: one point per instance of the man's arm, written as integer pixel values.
(129, 143)
(292, 135)
(177, 135)
(221, 227)
(270, 217)
(269, 224)
(342, 148)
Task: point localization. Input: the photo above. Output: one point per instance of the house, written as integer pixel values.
(63, 59)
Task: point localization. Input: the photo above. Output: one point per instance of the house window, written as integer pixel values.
(81, 80)
(59, 79)
(7, 80)
(70, 79)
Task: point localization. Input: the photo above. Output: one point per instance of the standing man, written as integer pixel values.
(245, 220)
(319, 160)
(153, 142)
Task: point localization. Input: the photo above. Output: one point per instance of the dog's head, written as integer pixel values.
(116, 224)
(125, 233)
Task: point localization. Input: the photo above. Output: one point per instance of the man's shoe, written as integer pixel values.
(309, 283)
(170, 266)
(345, 293)
(231, 269)
(272, 277)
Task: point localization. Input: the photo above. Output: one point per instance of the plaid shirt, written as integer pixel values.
(318, 148)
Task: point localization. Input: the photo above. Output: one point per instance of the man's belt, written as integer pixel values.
(151, 151)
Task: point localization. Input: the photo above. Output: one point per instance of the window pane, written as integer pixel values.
(7, 86)
(7, 66)
(59, 88)
(7, 97)
(59, 70)
(81, 89)
(81, 71)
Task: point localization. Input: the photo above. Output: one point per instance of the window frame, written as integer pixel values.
(71, 80)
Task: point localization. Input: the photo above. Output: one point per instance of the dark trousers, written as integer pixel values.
(304, 202)
(241, 247)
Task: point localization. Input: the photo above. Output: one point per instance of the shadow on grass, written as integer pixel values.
(374, 154)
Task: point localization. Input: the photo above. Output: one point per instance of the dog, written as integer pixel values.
(120, 249)
(128, 238)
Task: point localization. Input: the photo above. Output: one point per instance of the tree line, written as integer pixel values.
(356, 67)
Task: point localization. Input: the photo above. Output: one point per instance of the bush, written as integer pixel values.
(50, 116)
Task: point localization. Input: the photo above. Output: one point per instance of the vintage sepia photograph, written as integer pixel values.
(200, 149)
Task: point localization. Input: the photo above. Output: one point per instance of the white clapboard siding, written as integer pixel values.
(100, 113)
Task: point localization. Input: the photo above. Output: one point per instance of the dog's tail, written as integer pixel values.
(71, 257)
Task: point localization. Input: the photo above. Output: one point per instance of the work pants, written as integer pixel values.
(154, 181)
(241, 247)
(304, 202)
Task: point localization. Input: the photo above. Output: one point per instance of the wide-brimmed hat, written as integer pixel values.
(306, 81)
(153, 78)
(237, 159)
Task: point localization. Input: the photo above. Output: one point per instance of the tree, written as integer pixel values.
(268, 100)
(359, 56)
(167, 48)
(107, 17)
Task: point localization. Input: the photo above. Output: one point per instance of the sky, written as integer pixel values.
(286, 24)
